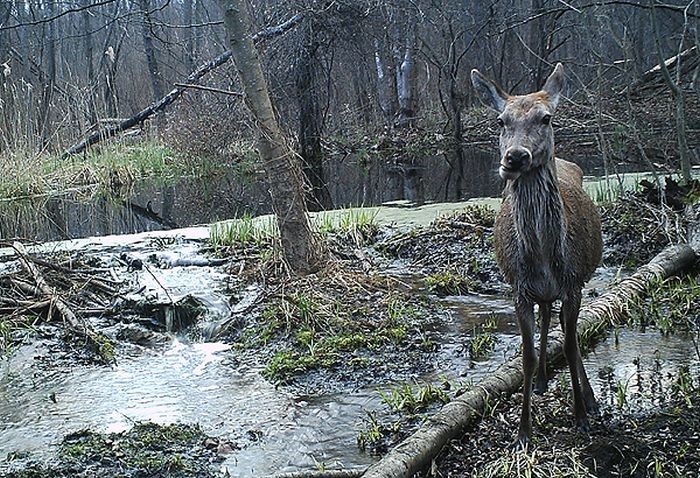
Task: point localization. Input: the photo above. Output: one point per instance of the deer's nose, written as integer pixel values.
(516, 158)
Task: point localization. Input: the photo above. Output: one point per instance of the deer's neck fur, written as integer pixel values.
(540, 223)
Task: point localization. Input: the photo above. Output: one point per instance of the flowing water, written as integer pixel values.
(277, 430)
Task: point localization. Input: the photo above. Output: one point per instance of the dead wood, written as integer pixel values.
(176, 92)
(417, 451)
(46, 294)
(692, 215)
(355, 473)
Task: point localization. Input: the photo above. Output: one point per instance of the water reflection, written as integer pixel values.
(351, 182)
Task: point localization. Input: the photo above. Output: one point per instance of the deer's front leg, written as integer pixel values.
(570, 310)
(545, 318)
(526, 320)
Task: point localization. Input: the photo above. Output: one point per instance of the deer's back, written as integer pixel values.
(583, 242)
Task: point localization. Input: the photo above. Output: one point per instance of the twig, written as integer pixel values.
(43, 290)
(209, 88)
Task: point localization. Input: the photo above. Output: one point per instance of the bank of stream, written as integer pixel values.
(168, 372)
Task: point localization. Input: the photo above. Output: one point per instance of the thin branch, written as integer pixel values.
(209, 88)
(176, 92)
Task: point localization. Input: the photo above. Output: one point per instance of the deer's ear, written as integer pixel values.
(490, 93)
(555, 84)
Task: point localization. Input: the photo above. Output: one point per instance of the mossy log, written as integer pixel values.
(417, 451)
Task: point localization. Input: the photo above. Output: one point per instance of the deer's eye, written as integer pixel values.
(500, 122)
(546, 119)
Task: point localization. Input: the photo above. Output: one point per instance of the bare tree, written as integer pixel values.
(299, 244)
(676, 91)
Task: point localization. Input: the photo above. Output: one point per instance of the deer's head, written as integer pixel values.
(527, 138)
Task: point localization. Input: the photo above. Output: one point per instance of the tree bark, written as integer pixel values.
(406, 79)
(151, 59)
(189, 42)
(299, 245)
(90, 70)
(310, 123)
(417, 451)
(538, 35)
(50, 78)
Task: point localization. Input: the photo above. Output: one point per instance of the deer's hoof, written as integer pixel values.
(540, 387)
(583, 425)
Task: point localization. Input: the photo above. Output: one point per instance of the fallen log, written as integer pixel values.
(42, 289)
(175, 93)
(418, 450)
(352, 473)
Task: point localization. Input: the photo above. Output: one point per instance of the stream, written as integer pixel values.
(276, 430)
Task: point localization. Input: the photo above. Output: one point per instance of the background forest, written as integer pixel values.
(352, 76)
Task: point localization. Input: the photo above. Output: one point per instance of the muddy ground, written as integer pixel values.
(362, 320)
(664, 441)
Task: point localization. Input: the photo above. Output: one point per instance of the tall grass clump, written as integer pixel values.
(242, 232)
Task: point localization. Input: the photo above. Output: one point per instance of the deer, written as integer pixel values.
(547, 235)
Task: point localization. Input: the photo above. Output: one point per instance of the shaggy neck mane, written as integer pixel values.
(539, 216)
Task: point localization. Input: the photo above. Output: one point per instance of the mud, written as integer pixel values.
(455, 253)
(640, 224)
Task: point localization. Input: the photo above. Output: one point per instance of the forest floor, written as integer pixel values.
(367, 318)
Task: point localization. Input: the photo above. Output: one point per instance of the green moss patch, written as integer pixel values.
(345, 323)
(146, 450)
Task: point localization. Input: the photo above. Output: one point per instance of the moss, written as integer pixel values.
(309, 329)
(148, 449)
(447, 282)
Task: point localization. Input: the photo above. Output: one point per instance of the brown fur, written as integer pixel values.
(547, 234)
(583, 222)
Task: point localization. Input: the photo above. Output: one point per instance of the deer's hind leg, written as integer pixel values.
(589, 399)
(579, 381)
(545, 319)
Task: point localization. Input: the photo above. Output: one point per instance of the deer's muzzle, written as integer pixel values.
(514, 162)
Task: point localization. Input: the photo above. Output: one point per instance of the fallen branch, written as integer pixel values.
(176, 92)
(417, 451)
(354, 473)
(44, 291)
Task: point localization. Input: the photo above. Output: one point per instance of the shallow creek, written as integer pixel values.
(277, 430)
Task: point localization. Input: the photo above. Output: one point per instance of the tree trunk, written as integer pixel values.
(299, 244)
(310, 124)
(50, 78)
(417, 451)
(90, 73)
(538, 36)
(678, 97)
(405, 81)
(189, 43)
(386, 84)
(151, 59)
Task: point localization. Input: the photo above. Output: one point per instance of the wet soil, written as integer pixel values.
(639, 224)
(454, 253)
(356, 323)
(663, 441)
(147, 449)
